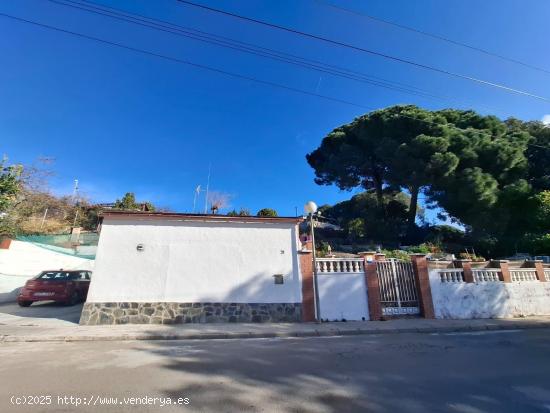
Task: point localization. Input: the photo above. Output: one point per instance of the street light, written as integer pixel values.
(310, 209)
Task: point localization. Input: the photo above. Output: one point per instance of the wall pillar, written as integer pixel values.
(537, 264)
(420, 267)
(466, 266)
(504, 274)
(373, 290)
(308, 293)
(367, 255)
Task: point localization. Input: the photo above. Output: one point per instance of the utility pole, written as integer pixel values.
(311, 209)
(43, 219)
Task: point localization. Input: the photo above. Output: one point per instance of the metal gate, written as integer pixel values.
(398, 290)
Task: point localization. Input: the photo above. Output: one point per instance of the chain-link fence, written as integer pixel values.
(82, 245)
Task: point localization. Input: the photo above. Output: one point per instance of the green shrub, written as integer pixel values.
(398, 254)
(322, 248)
(267, 212)
(7, 227)
(538, 244)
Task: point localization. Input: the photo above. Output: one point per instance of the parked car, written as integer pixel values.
(68, 287)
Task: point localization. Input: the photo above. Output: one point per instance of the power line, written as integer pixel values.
(237, 45)
(198, 35)
(215, 70)
(185, 62)
(364, 50)
(432, 35)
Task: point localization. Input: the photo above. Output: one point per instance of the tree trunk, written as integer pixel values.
(411, 218)
(379, 191)
(379, 195)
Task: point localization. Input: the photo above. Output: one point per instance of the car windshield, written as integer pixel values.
(56, 276)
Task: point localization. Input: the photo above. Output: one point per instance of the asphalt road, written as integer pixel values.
(44, 310)
(501, 371)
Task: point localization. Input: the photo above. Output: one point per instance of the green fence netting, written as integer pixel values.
(82, 245)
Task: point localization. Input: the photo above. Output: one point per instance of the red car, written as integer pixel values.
(68, 287)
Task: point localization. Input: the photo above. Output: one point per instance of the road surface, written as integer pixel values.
(42, 312)
(501, 371)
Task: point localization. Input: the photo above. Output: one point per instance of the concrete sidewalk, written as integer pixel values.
(37, 331)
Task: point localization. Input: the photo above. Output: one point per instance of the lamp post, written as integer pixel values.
(311, 209)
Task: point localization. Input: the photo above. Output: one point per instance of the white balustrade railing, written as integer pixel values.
(340, 265)
(523, 274)
(547, 274)
(451, 275)
(486, 274)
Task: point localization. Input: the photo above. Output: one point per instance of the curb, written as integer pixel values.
(256, 335)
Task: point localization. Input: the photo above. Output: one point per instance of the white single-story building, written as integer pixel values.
(178, 268)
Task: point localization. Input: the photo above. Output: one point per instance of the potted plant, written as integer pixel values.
(7, 233)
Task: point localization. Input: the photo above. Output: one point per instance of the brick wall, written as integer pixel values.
(308, 294)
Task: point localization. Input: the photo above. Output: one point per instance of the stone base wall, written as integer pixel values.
(179, 313)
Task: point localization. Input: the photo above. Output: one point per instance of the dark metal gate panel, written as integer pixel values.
(398, 290)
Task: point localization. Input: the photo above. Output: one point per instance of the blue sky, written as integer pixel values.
(122, 121)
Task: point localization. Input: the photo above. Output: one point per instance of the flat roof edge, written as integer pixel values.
(196, 217)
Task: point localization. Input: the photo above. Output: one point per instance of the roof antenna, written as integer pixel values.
(197, 194)
(207, 186)
(75, 192)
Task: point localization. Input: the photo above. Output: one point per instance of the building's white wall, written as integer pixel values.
(489, 299)
(24, 260)
(196, 262)
(343, 296)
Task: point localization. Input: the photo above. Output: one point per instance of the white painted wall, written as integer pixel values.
(24, 260)
(193, 261)
(343, 295)
(489, 299)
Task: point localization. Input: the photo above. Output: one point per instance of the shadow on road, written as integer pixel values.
(46, 309)
(404, 372)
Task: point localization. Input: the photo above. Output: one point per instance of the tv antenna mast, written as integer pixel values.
(207, 187)
(75, 191)
(198, 191)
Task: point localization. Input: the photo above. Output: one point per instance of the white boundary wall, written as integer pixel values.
(196, 261)
(343, 296)
(24, 260)
(460, 300)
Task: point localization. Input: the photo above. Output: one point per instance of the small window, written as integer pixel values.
(279, 279)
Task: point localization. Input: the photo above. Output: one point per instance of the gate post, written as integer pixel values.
(422, 277)
(373, 286)
(308, 294)
(504, 274)
(537, 264)
(466, 266)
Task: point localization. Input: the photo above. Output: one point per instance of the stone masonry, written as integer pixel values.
(179, 313)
